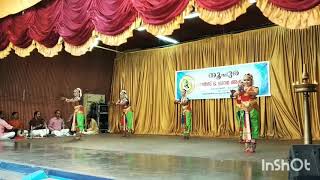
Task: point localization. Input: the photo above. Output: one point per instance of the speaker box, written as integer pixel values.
(305, 153)
(103, 118)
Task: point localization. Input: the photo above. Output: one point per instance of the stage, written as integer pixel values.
(150, 157)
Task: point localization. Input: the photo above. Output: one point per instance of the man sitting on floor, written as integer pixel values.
(17, 125)
(56, 125)
(38, 126)
(4, 125)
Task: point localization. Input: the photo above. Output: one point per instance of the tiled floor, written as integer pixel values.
(150, 157)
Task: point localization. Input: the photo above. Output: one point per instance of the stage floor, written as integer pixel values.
(150, 157)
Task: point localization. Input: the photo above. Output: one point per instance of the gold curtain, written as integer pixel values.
(289, 19)
(222, 17)
(149, 76)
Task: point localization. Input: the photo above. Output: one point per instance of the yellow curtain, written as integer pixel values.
(148, 76)
(289, 19)
(222, 17)
(9, 7)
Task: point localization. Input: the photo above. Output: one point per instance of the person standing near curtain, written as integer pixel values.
(78, 117)
(126, 121)
(186, 115)
(248, 113)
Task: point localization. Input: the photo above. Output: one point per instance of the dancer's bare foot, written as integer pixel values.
(124, 134)
(77, 138)
(251, 150)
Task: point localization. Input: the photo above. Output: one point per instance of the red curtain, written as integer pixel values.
(295, 5)
(4, 40)
(217, 5)
(17, 29)
(112, 17)
(43, 28)
(157, 12)
(73, 20)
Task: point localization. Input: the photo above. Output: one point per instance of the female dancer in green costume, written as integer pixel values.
(78, 119)
(126, 121)
(248, 113)
(186, 115)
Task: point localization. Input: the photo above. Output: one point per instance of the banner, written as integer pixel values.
(216, 82)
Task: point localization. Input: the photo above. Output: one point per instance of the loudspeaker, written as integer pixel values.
(300, 156)
(103, 118)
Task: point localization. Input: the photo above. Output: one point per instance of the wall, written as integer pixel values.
(38, 83)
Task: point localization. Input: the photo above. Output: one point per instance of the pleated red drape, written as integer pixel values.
(217, 5)
(295, 5)
(75, 20)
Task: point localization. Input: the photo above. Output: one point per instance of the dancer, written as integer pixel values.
(248, 113)
(126, 122)
(78, 117)
(186, 115)
(238, 110)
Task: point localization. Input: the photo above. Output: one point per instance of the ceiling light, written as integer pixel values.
(95, 43)
(141, 28)
(252, 1)
(165, 38)
(192, 15)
